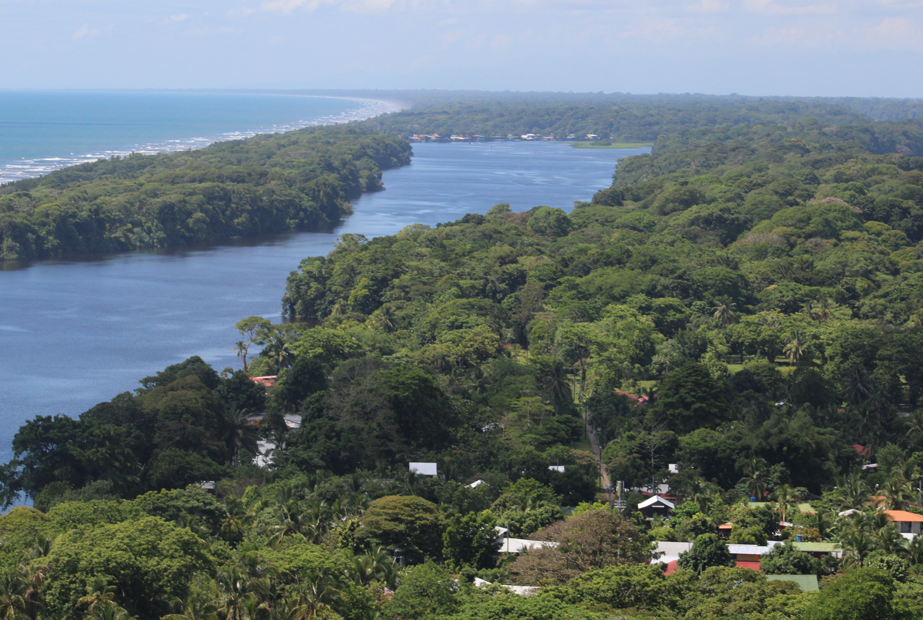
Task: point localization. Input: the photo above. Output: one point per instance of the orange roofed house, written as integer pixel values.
(908, 523)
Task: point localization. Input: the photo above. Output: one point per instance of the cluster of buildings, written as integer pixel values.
(527, 137)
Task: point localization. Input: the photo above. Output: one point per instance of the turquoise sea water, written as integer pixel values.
(44, 130)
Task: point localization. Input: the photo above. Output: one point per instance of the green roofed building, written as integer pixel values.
(807, 583)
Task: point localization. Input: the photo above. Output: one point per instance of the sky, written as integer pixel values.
(749, 47)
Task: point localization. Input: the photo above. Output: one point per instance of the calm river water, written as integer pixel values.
(75, 333)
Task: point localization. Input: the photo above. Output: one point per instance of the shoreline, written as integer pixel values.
(12, 171)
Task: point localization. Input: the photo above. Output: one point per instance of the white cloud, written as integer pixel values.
(357, 6)
(707, 6)
(776, 8)
(85, 32)
(895, 33)
(175, 19)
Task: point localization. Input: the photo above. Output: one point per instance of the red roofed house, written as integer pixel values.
(268, 381)
(638, 399)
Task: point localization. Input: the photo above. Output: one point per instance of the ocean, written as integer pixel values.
(41, 131)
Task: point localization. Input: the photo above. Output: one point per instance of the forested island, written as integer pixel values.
(738, 318)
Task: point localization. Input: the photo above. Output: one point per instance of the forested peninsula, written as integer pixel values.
(268, 184)
(736, 324)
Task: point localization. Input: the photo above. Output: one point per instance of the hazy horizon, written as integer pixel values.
(750, 47)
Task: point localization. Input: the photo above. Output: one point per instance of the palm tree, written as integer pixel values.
(915, 550)
(33, 577)
(854, 493)
(557, 384)
(235, 520)
(890, 541)
(894, 492)
(857, 545)
(384, 318)
(858, 388)
(201, 604)
(374, 565)
(724, 313)
(317, 594)
(109, 612)
(12, 599)
(99, 594)
(795, 350)
(241, 349)
(785, 497)
(233, 583)
(823, 310)
(239, 434)
(755, 477)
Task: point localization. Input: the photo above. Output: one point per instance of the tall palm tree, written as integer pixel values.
(823, 309)
(724, 313)
(557, 384)
(755, 477)
(233, 584)
(201, 604)
(12, 599)
(241, 349)
(915, 551)
(33, 577)
(109, 612)
(239, 434)
(857, 545)
(785, 496)
(795, 350)
(99, 594)
(894, 492)
(890, 541)
(384, 318)
(854, 493)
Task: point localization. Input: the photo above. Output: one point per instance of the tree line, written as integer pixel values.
(269, 184)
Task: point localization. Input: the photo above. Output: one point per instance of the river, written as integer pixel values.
(78, 332)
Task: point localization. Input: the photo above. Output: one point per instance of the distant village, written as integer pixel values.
(527, 137)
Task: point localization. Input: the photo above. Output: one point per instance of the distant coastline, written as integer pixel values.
(30, 168)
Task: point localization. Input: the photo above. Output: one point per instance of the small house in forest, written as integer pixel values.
(656, 505)
(907, 523)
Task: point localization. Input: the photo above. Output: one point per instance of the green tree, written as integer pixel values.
(427, 592)
(690, 398)
(707, 550)
(148, 562)
(859, 594)
(411, 524)
(785, 559)
(471, 540)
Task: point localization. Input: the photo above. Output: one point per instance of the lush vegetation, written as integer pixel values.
(743, 303)
(301, 180)
(624, 118)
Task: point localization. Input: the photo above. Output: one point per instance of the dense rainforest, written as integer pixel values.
(738, 317)
(269, 184)
(621, 117)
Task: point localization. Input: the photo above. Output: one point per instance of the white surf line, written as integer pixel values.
(36, 167)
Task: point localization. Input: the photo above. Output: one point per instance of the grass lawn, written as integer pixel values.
(611, 145)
